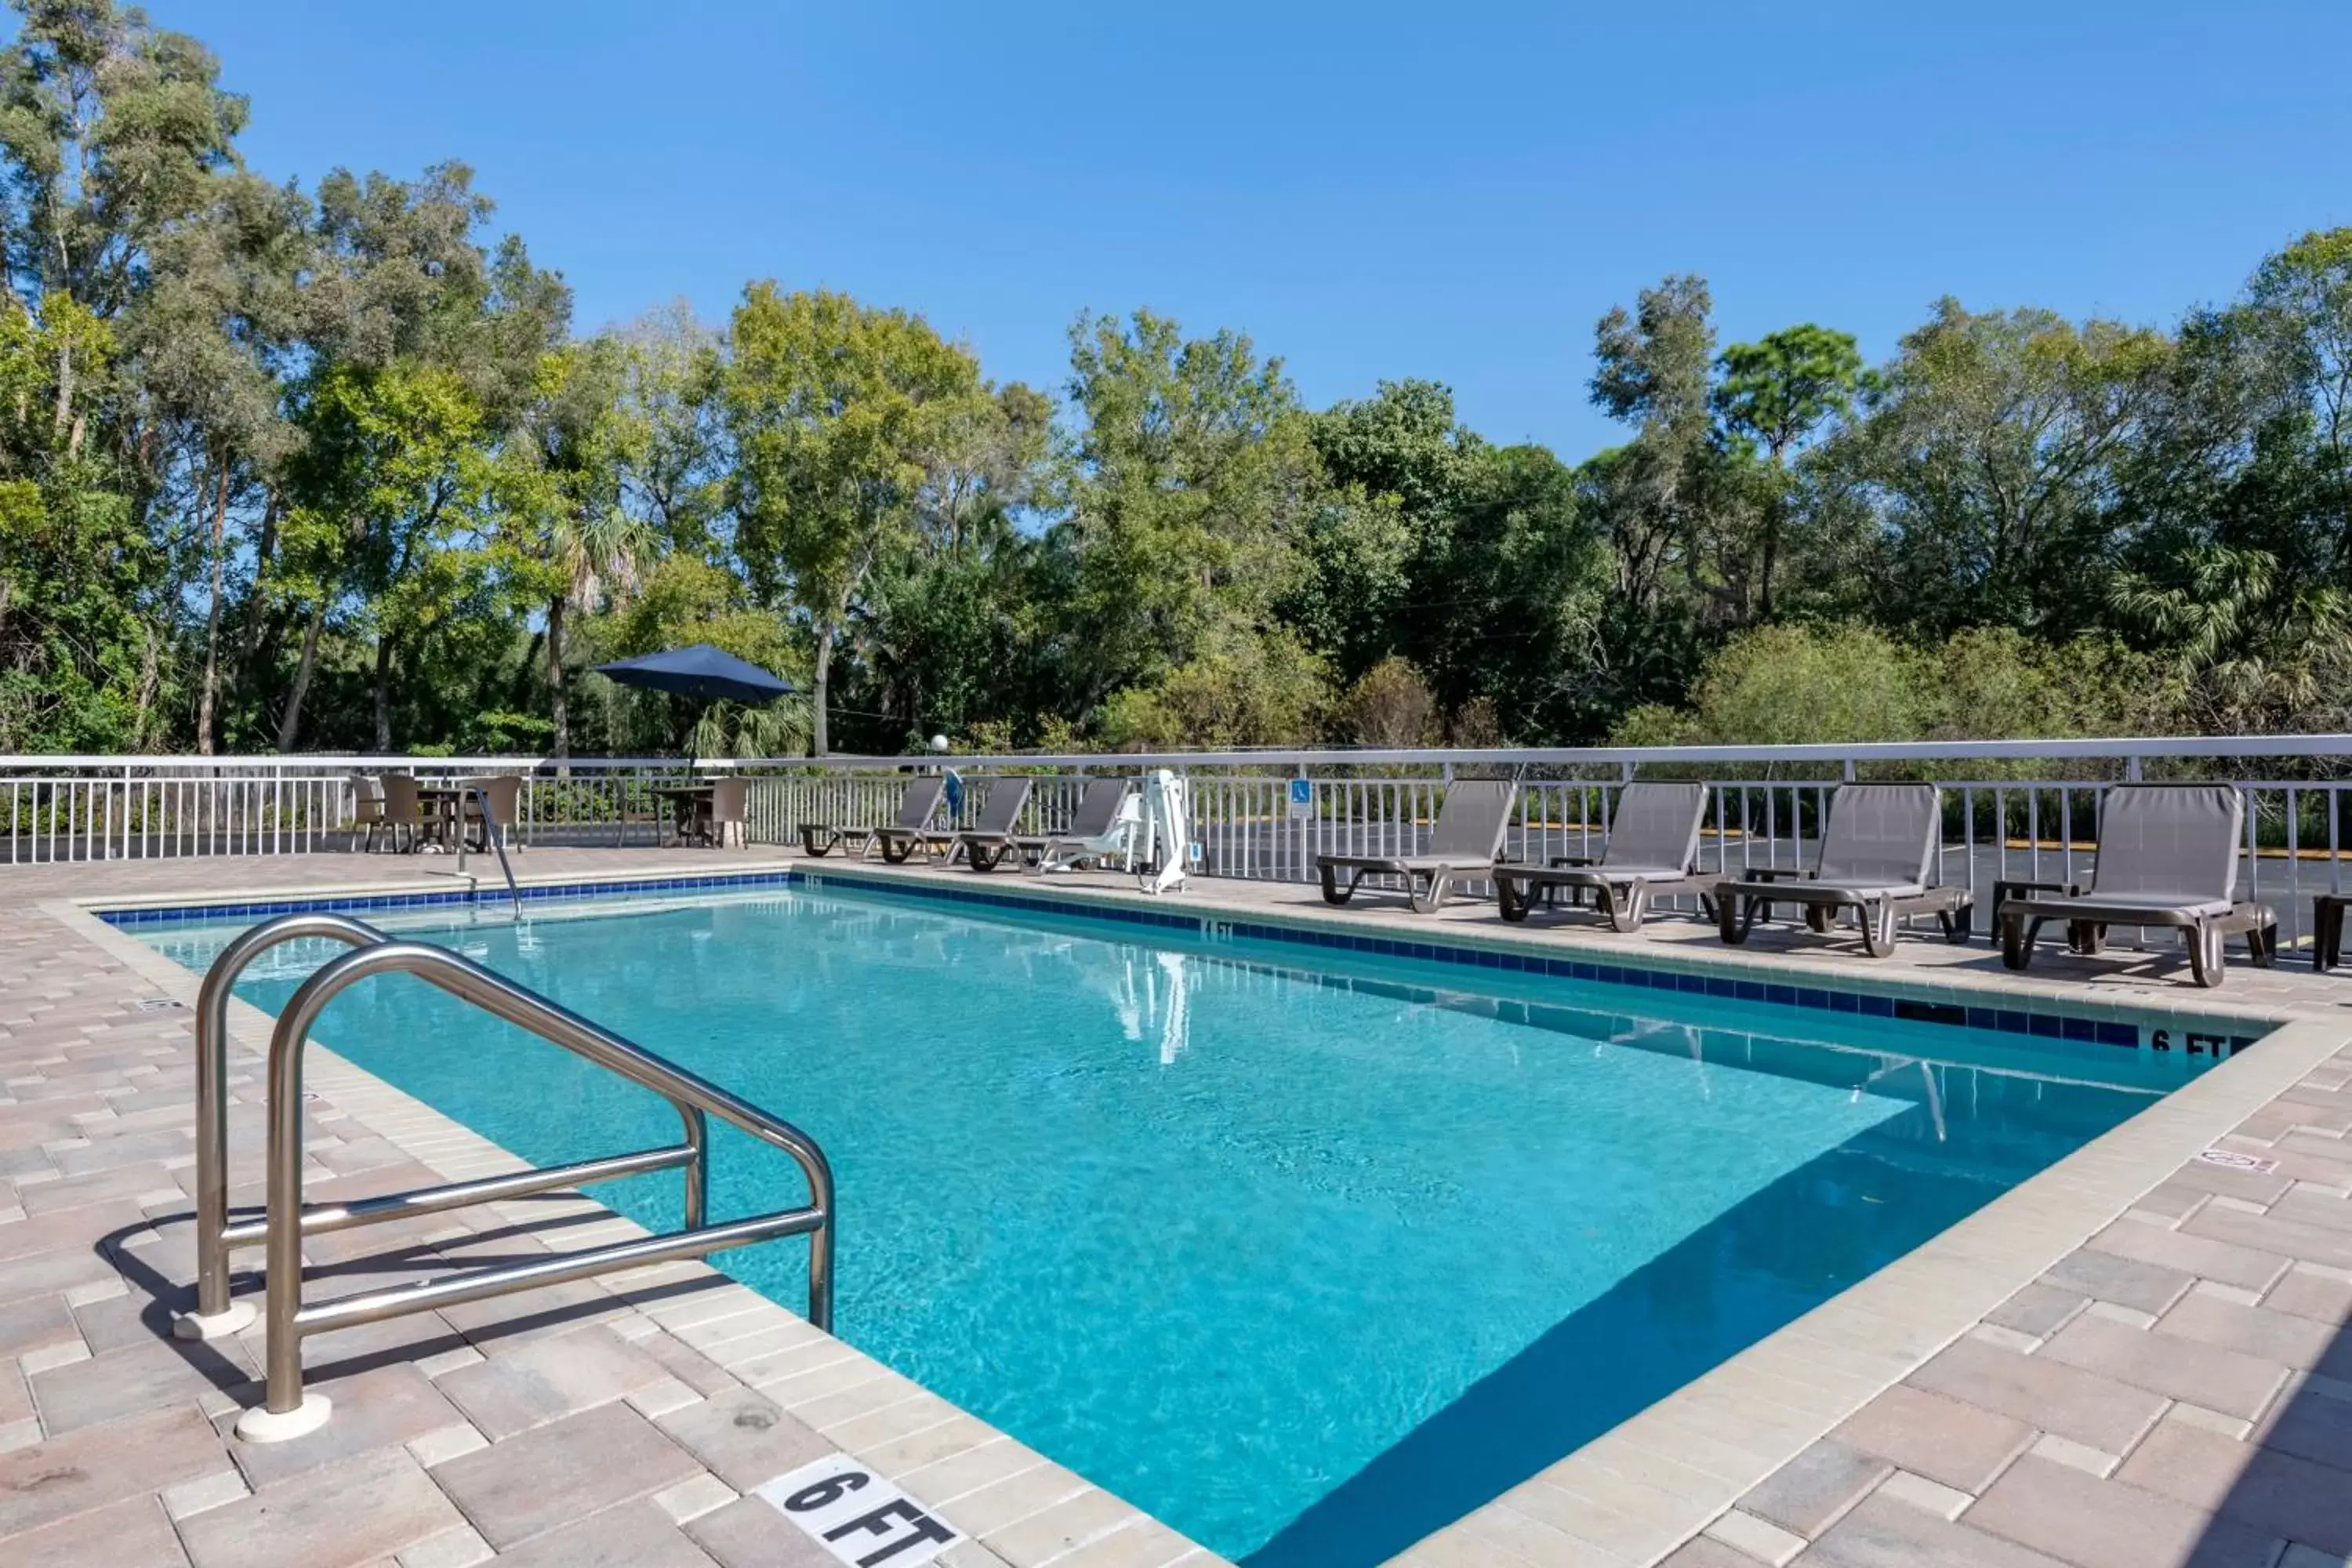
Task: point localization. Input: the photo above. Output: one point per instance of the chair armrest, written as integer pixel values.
(1769, 874)
(1576, 860)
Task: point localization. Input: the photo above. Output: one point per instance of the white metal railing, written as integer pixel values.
(2014, 809)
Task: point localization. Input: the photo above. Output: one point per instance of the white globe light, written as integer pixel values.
(939, 743)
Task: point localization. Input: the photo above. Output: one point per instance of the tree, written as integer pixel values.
(1990, 450)
(421, 354)
(390, 477)
(208, 343)
(112, 132)
(2300, 305)
(561, 494)
(1652, 371)
(674, 477)
(1774, 396)
(1186, 494)
(1400, 467)
(840, 413)
(949, 637)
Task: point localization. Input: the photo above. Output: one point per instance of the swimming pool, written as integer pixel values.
(1307, 1250)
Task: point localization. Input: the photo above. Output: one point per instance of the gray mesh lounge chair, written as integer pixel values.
(910, 832)
(1876, 850)
(1652, 852)
(2167, 857)
(1467, 838)
(1094, 833)
(992, 838)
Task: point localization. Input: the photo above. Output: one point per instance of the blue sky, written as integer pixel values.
(1453, 192)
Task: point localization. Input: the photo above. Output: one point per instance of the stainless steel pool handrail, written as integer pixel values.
(215, 1314)
(217, 1230)
(285, 1220)
(491, 834)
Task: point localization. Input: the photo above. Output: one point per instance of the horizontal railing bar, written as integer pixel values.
(475, 1284)
(249, 1226)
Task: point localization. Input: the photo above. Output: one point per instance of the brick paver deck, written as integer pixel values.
(2164, 1382)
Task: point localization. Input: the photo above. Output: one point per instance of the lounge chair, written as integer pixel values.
(1467, 838)
(1652, 852)
(1876, 850)
(1103, 826)
(910, 832)
(2167, 857)
(991, 839)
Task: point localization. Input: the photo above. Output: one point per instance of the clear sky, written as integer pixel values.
(1450, 191)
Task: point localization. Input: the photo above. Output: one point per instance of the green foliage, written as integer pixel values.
(326, 467)
(1849, 682)
(1236, 689)
(839, 413)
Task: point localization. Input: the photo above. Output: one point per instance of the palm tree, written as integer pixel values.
(588, 553)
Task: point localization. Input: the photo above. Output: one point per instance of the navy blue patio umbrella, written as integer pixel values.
(699, 671)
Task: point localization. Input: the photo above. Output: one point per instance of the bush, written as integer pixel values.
(1392, 707)
(1239, 689)
(1796, 685)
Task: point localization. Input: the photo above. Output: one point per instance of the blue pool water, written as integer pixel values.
(1306, 1260)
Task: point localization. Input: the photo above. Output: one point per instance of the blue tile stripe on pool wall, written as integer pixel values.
(2001, 1020)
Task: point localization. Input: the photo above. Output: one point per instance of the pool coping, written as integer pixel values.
(1641, 1490)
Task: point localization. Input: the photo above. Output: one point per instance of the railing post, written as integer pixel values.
(216, 1315)
(287, 1410)
(697, 1170)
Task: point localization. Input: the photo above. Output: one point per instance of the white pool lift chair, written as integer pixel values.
(1105, 828)
(1167, 838)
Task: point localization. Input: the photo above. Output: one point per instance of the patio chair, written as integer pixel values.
(991, 839)
(367, 811)
(1652, 852)
(503, 791)
(2167, 857)
(403, 810)
(730, 808)
(1877, 849)
(1103, 826)
(1466, 839)
(910, 832)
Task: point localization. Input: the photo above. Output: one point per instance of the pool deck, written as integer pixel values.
(2136, 1359)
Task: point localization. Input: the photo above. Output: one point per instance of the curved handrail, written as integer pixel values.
(559, 1026)
(491, 833)
(212, 1093)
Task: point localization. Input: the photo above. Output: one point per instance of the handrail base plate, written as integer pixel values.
(260, 1425)
(236, 1317)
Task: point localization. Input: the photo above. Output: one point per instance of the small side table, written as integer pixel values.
(2328, 930)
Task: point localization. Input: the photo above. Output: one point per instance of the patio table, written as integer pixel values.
(690, 804)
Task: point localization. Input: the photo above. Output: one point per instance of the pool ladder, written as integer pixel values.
(287, 1411)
